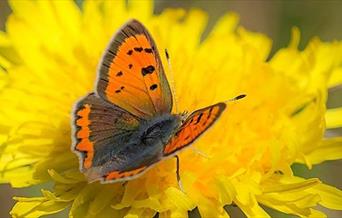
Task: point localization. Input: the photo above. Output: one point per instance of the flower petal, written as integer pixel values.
(336, 77)
(299, 186)
(333, 117)
(329, 149)
(331, 197)
(39, 206)
(178, 199)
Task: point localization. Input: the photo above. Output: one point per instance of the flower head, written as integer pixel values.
(248, 153)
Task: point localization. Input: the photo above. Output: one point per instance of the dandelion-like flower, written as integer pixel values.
(48, 58)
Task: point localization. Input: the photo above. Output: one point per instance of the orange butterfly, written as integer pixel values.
(126, 125)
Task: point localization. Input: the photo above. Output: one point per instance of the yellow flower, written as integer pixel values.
(48, 59)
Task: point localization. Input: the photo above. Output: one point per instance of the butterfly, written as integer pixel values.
(126, 126)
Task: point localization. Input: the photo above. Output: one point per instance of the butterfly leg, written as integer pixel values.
(178, 176)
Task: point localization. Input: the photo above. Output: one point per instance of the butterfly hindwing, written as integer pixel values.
(131, 74)
(123, 175)
(99, 128)
(195, 125)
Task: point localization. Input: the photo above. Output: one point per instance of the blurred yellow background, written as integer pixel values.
(273, 18)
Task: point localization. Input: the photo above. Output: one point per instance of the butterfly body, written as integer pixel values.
(126, 125)
(145, 145)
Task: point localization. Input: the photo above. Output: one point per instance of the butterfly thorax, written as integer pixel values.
(151, 137)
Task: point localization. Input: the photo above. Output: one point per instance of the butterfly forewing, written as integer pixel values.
(195, 125)
(131, 74)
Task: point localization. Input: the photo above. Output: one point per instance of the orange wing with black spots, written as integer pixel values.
(131, 74)
(98, 128)
(195, 125)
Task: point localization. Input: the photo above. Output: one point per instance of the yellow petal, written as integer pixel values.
(141, 9)
(140, 212)
(331, 197)
(259, 44)
(291, 186)
(22, 208)
(333, 117)
(152, 203)
(61, 179)
(317, 214)
(226, 190)
(80, 205)
(295, 38)
(336, 77)
(329, 149)
(4, 40)
(4, 64)
(209, 208)
(283, 204)
(179, 213)
(225, 25)
(132, 190)
(69, 18)
(253, 209)
(36, 207)
(103, 199)
(178, 199)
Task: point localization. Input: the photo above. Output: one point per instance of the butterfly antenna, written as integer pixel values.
(172, 80)
(235, 98)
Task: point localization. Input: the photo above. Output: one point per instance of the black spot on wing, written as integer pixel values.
(199, 118)
(130, 66)
(148, 50)
(138, 49)
(153, 87)
(119, 73)
(147, 70)
(130, 52)
(119, 90)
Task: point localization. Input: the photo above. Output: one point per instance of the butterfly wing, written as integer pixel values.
(194, 126)
(100, 128)
(131, 74)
